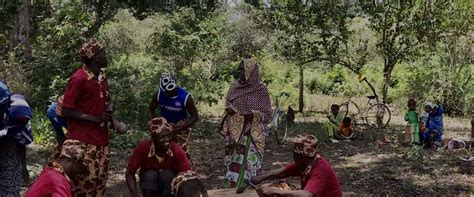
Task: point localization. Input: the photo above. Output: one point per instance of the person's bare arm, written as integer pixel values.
(69, 113)
(271, 191)
(152, 106)
(273, 174)
(192, 110)
(131, 183)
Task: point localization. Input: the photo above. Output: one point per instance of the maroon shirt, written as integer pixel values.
(321, 181)
(50, 183)
(86, 94)
(176, 161)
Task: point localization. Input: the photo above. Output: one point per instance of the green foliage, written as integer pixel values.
(184, 40)
(43, 133)
(128, 141)
(56, 45)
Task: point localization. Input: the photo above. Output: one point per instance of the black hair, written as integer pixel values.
(192, 188)
(411, 100)
(335, 105)
(346, 120)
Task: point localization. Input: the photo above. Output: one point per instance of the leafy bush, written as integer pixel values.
(43, 133)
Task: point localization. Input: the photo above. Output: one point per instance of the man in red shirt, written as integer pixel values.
(84, 106)
(158, 159)
(317, 176)
(54, 181)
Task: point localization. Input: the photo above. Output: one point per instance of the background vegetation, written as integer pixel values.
(406, 49)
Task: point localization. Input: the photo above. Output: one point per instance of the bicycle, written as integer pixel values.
(375, 114)
(279, 123)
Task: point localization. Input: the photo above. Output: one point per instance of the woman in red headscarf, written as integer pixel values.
(248, 109)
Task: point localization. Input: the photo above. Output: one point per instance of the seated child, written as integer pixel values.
(187, 184)
(335, 118)
(345, 130)
(413, 126)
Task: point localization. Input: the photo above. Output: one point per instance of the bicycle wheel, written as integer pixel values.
(350, 109)
(281, 129)
(378, 116)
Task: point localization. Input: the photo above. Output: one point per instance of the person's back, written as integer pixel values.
(50, 183)
(321, 180)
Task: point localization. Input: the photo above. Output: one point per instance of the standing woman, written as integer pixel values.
(10, 165)
(248, 110)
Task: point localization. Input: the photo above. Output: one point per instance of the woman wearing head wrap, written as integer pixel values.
(176, 106)
(317, 176)
(434, 125)
(248, 109)
(10, 166)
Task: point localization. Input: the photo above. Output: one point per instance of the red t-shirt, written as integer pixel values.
(50, 183)
(321, 181)
(88, 95)
(177, 161)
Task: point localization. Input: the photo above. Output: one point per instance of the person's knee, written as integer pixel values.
(166, 176)
(149, 180)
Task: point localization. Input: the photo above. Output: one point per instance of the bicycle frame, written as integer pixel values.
(276, 113)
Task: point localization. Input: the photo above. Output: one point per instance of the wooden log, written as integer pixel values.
(231, 192)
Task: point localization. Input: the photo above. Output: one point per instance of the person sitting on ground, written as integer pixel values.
(317, 176)
(412, 129)
(187, 184)
(158, 159)
(176, 106)
(54, 181)
(335, 119)
(345, 131)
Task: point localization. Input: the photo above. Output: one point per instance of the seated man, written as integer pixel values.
(317, 176)
(54, 181)
(335, 118)
(159, 160)
(187, 184)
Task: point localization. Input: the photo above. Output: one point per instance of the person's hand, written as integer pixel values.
(265, 191)
(229, 111)
(178, 128)
(104, 117)
(248, 117)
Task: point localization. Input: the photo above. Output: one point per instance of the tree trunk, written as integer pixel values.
(387, 76)
(20, 33)
(300, 100)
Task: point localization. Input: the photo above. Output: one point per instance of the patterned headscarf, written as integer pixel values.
(90, 49)
(70, 150)
(157, 125)
(251, 95)
(306, 145)
(181, 178)
(167, 82)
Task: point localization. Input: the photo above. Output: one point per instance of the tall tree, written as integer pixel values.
(20, 32)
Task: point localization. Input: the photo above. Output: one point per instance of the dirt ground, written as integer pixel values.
(363, 167)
